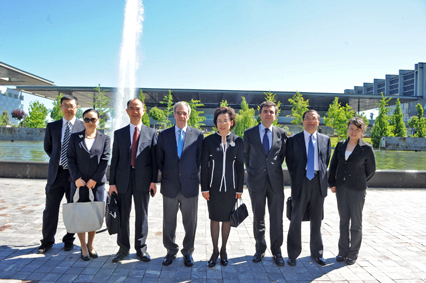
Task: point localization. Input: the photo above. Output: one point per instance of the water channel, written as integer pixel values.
(385, 159)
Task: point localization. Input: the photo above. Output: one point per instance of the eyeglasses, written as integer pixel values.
(181, 113)
(88, 120)
(311, 119)
(68, 106)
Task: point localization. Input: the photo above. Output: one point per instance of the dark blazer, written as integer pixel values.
(354, 172)
(52, 146)
(212, 163)
(179, 173)
(259, 165)
(296, 162)
(86, 164)
(146, 166)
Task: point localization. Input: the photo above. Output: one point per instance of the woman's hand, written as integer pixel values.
(91, 184)
(80, 183)
(206, 195)
(333, 189)
(238, 195)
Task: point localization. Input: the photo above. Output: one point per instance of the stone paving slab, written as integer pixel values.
(393, 250)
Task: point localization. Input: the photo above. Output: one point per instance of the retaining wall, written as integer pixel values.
(21, 134)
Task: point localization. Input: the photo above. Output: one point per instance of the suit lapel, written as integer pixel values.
(258, 141)
(188, 137)
(275, 137)
(143, 136)
(301, 138)
(98, 140)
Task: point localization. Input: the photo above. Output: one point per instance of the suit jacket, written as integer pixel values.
(179, 173)
(89, 164)
(145, 165)
(296, 162)
(212, 163)
(259, 165)
(52, 146)
(354, 172)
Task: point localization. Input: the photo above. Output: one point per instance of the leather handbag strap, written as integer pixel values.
(76, 196)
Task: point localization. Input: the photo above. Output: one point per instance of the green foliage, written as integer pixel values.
(4, 118)
(364, 117)
(298, 107)
(56, 112)
(145, 117)
(79, 113)
(381, 124)
(101, 103)
(397, 121)
(337, 117)
(195, 119)
(269, 96)
(36, 116)
(157, 115)
(418, 122)
(168, 100)
(244, 118)
(224, 103)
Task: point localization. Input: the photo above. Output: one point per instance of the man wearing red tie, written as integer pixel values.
(133, 173)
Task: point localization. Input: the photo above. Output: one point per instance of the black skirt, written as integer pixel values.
(221, 204)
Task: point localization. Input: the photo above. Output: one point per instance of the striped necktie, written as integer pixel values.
(64, 149)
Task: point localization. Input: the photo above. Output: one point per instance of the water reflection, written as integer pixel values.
(386, 159)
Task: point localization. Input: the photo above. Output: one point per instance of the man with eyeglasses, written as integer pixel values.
(308, 154)
(58, 177)
(179, 159)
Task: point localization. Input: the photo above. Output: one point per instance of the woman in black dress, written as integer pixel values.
(352, 165)
(88, 156)
(222, 178)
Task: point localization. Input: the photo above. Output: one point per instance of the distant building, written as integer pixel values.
(11, 99)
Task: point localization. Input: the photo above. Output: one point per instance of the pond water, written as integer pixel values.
(385, 159)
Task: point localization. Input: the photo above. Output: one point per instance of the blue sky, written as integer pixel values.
(323, 46)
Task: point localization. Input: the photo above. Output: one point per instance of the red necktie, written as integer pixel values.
(134, 147)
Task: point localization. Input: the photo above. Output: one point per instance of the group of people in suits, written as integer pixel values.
(179, 153)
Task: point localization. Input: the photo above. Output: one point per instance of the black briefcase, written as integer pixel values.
(239, 214)
(112, 214)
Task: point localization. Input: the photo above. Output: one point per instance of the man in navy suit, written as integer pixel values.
(308, 154)
(179, 158)
(134, 173)
(58, 177)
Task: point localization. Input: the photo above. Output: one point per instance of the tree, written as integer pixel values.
(195, 119)
(18, 114)
(298, 107)
(56, 112)
(4, 118)
(244, 119)
(337, 117)
(418, 122)
(36, 116)
(101, 103)
(145, 117)
(397, 121)
(269, 96)
(157, 115)
(381, 124)
(168, 100)
(224, 103)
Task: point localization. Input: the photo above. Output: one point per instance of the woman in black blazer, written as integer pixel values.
(88, 156)
(352, 165)
(222, 178)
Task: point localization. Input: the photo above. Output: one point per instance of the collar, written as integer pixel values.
(183, 129)
(133, 126)
(226, 135)
(307, 135)
(262, 127)
(72, 122)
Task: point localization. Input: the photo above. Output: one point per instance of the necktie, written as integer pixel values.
(180, 143)
(311, 159)
(134, 147)
(266, 141)
(64, 149)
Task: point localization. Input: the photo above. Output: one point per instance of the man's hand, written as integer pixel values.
(238, 195)
(206, 195)
(333, 189)
(91, 184)
(113, 189)
(80, 183)
(153, 189)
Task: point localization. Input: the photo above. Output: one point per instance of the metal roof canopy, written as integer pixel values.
(13, 76)
(212, 98)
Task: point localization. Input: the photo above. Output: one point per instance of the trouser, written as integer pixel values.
(275, 208)
(188, 208)
(312, 200)
(350, 204)
(141, 201)
(54, 195)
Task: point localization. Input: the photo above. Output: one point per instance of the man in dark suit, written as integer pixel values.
(179, 158)
(264, 152)
(134, 173)
(56, 142)
(308, 154)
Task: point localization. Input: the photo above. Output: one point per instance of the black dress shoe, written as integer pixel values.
(85, 258)
(258, 257)
(68, 246)
(320, 260)
(340, 258)
(168, 259)
(213, 260)
(145, 257)
(350, 261)
(92, 255)
(223, 258)
(279, 260)
(43, 248)
(291, 262)
(120, 256)
(188, 260)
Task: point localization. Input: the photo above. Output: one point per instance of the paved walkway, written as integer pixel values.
(393, 250)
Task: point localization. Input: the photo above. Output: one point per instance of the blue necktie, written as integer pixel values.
(266, 141)
(180, 143)
(311, 159)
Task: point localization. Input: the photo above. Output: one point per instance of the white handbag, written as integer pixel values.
(80, 217)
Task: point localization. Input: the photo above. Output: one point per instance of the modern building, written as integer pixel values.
(11, 99)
